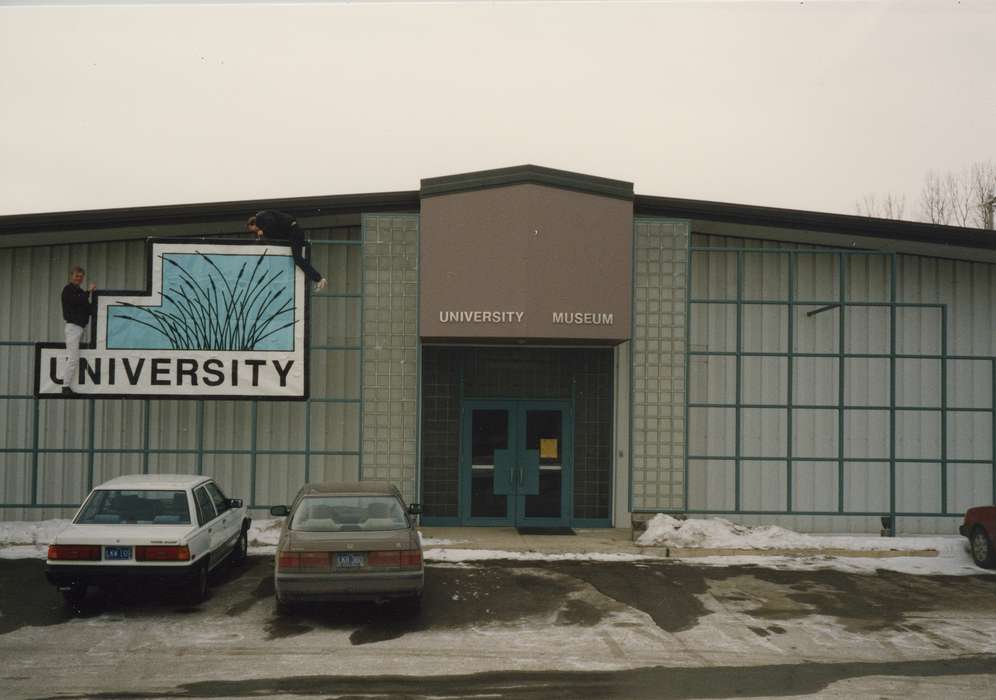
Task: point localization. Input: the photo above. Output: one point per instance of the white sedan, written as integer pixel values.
(162, 526)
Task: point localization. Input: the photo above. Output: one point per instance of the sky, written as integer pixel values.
(802, 105)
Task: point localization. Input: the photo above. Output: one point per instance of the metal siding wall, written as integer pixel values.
(30, 282)
(967, 289)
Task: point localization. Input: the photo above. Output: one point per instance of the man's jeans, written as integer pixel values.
(297, 249)
(73, 335)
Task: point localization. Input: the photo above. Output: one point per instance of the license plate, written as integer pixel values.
(117, 553)
(346, 560)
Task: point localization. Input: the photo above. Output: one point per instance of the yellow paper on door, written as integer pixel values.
(548, 448)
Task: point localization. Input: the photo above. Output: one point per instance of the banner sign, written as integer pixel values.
(219, 319)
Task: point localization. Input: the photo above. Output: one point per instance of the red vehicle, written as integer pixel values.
(980, 529)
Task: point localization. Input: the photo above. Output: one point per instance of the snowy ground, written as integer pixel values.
(30, 539)
(527, 630)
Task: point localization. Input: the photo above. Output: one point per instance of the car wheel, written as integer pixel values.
(982, 548)
(284, 607)
(241, 551)
(198, 585)
(74, 595)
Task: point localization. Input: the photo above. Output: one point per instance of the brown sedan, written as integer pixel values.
(348, 541)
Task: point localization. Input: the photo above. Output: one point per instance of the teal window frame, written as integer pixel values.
(841, 304)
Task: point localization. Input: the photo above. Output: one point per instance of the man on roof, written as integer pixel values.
(282, 226)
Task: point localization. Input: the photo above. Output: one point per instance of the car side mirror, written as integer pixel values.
(279, 511)
(414, 509)
(234, 502)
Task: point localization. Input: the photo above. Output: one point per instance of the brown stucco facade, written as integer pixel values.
(526, 262)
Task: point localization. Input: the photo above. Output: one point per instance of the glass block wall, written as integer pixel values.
(658, 391)
(390, 349)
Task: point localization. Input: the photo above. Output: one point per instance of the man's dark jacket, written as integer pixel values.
(277, 224)
(76, 306)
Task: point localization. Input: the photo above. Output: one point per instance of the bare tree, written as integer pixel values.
(964, 198)
(894, 206)
(935, 207)
(982, 187)
(890, 206)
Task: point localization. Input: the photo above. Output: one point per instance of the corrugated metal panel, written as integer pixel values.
(30, 282)
(968, 291)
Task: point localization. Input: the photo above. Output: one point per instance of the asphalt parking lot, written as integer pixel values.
(513, 629)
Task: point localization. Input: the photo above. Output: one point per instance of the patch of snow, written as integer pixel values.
(38, 532)
(719, 533)
(945, 565)
(437, 541)
(463, 555)
(265, 532)
(24, 551)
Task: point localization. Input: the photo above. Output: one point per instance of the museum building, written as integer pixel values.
(538, 348)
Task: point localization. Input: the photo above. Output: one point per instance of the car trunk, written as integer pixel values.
(301, 541)
(124, 534)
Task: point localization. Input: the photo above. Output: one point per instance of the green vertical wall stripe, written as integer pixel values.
(35, 409)
(364, 226)
(789, 415)
(944, 412)
(307, 441)
(253, 445)
(738, 425)
(200, 437)
(146, 422)
(91, 429)
(892, 398)
(841, 339)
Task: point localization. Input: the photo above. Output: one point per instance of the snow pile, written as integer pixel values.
(719, 533)
(468, 555)
(39, 532)
(437, 541)
(265, 532)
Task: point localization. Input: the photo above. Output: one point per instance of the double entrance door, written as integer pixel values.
(516, 462)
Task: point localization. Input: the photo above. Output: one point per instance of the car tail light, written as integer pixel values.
(411, 559)
(385, 558)
(303, 561)
(289, 561)
(162, 553)
(74, 552)
(315, 561)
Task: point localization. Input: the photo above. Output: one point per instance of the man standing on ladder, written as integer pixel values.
(279, 225)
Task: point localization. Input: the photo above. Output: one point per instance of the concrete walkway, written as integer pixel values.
(618, 541)
(508, 539)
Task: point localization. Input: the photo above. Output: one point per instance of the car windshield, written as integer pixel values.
(349, 514)
(144, 507)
